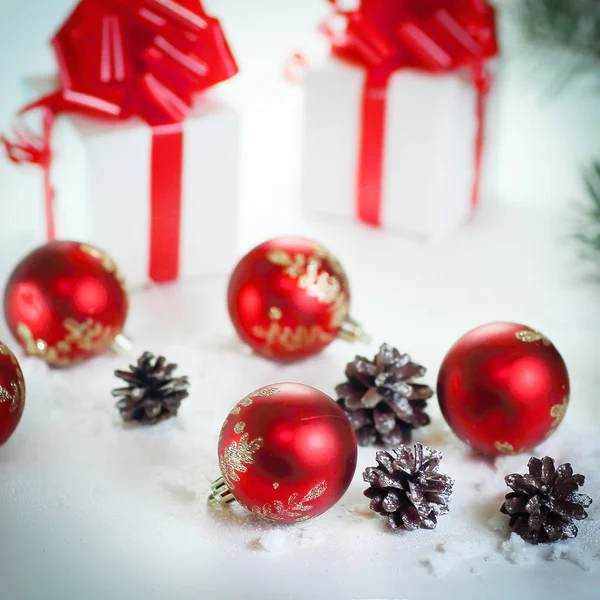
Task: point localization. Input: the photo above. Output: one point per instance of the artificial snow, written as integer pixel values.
(95, 508)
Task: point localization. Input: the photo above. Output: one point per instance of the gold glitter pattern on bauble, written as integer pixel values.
(275, 313)
(239, 427)
(16, 395)
(6, 351)
(319, 284)
(89, 336)
(339, 311)
(307, 270)
(532, 336)
(292, 340)
(247, 400)
(506, 448)
(335, 264)
(295, 508)
(293, 265)
(109, 265)
(325, 287)
(557, 412)
(237, 456)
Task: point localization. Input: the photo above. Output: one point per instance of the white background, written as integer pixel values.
(91, 510)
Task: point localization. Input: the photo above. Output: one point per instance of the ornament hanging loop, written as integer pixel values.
(220, 494)
(122, 345)
(352, 331)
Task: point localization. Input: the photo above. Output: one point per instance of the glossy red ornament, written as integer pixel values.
(503, 388)
(287, 453)
(66, 302)
(289, 298)
(12, 393)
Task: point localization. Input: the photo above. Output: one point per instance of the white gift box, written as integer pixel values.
(428, 154)
(101, 176)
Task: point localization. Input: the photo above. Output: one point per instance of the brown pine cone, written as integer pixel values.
(544, 503)
(381, 399)
(152, 394)
(407, 487)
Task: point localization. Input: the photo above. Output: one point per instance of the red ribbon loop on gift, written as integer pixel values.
(436, 36)
(136, 58)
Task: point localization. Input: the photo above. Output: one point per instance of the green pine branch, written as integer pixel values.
(572, 26)
(590, 235)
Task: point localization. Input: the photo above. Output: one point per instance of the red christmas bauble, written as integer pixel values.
(12, 393)
(288, 298)
(287, 452)
(503, 388)
(66, 302)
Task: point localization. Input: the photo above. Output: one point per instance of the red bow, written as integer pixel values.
(435, 35)
(145, 58)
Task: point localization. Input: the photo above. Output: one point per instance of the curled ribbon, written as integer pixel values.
(435, 36)
(134, 58)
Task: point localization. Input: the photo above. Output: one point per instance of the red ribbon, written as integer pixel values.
(436, 36)
(26, 147)
(135, 58)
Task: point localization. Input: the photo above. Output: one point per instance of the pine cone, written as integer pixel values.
(407, 488)
(381, 400)
(152, 394)
(543, 504)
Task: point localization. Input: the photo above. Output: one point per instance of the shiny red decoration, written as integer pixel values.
(137, 58)
(433, 36)
(12, 393)
(66, 302)
(288, 298)
(287, 452)
(503, 388)
(430, 35)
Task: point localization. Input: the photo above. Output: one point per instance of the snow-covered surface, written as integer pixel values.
(95, 509)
